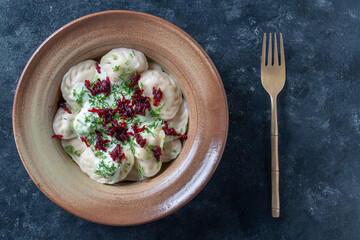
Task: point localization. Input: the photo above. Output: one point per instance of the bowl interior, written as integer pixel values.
(36, 102)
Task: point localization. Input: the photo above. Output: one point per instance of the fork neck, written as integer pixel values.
(274, 123)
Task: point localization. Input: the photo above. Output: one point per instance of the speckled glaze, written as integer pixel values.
(36, 102)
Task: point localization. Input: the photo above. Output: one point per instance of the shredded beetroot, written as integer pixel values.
(136, 128)
(117, 155)
(63, 105)
(105, 113)
(118, 130)
(94, 110)
(98, 68)
(124, 108)
(141, 141)
(100, 142)
(102, 86)
(157, 96)
(140, 103)
(157, 152)
(84, 141)
(136, 80)
(172, 132)
(57, 136)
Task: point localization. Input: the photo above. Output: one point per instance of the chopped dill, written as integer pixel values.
(77, 152)
(148, 131)
(116, 68)
(141, 172)
(105, 169)
(69, 149)
(99, 154)
(79, 96)
(127, 72)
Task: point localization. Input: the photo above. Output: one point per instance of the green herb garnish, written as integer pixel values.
(105, 170)
(127, 72)
(77, 152)
(141, 172)
(79, 96)
(69, 149)
(99, 154)
(116, 68)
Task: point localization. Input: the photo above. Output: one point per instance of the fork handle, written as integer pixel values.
(275, 199)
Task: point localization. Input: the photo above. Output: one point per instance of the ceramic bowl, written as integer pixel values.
(38, 94)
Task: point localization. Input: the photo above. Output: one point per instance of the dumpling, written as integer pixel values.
(122, 63)
(77, 74)
(180, 121)
(75, 148)
(81, 125)
(155, 66)
(94, 166)
(171, 98)
(134, 175)
(171, 150)
(63, 124)
(145, 161)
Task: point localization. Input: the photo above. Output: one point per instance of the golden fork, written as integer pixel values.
(273, 80)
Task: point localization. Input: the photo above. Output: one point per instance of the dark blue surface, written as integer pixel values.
(319, 122)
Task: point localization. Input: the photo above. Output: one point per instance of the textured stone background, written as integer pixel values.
(319, 122)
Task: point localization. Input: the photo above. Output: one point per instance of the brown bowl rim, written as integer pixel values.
(221, 150)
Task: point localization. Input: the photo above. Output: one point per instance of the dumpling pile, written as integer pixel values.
(122, 118)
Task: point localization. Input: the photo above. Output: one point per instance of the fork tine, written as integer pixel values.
(276, 60)
(282, 54)
(263, 56)
(269, 63)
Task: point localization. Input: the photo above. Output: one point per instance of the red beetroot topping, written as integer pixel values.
(57, 136)
(105, 113)
(118, 130)
(136, 128)
(157, 96)
(100, 142)
(136, 80)
(84, 141)
(141, 141)
(98, 68)
(101, 86)
(63, 105)
(116, 154)
(171, 131)
(157, 152)
(124, 108)
(140, 103)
